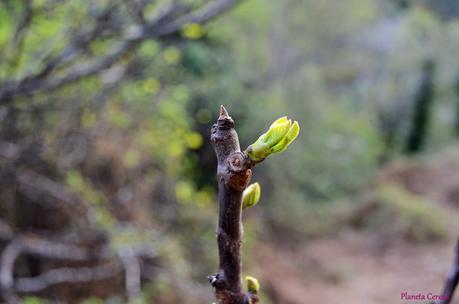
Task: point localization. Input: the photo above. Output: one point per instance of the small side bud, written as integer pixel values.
(279, 136)
(251, 196)
(252, 284)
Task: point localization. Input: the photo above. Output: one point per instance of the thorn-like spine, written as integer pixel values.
(223, 113)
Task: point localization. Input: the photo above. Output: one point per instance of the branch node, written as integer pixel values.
(217, 281)
(238, 162)
(239, 181)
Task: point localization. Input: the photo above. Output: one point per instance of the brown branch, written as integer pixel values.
(6, 233)
(66, 275)
(203, 15)
(35, 245)
(81, 40)
(28, 87)
(14, 49)
(452, 280)
(44, 191)
(132, 270)
(135, 8)
(23, 22)
(54, 250)
(9, 151)
(162, 26)
(7, 261)
(233, 175)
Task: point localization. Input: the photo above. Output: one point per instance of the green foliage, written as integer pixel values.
(33, 300)
(397, 214)
(192, 31)
(99, 215)
(93, 301)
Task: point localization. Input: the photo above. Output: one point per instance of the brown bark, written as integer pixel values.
(233, 173)
(452, 280)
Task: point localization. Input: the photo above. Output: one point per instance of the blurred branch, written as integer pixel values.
(165, 24)
(452, 280)
(9, 151)
(131, 266)
(36, 245)
(6, 233)
(135, 8)
(203, 15)
(66, 275)
(80, 42)
(8, 259)
(51, 249)
(49, 193)
(16, 43)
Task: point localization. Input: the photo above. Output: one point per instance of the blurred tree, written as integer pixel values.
(102, 33)
(96, 182)
(456, 127)
(422, 110)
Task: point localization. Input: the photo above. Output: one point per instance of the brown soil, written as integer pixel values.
(348, 269)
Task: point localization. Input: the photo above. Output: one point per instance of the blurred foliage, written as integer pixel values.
(395, 213)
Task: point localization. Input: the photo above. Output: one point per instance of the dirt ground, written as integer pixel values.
(348, 269)
(357, 268)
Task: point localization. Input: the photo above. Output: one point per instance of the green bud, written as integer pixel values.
(287, 139)
(276, 131)
(251, 195)
(280, 134)
(252, 284)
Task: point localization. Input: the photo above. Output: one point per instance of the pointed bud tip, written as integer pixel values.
(223, 113)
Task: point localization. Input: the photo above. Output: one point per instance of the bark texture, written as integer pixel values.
(233, 173)
(452, 280)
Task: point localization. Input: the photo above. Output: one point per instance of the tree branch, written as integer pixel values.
(7, 261)
(233, 175)
(48, 193)
(163, 25)
(54, 250)
(66, 275)
(132, 270)
(6, 233)
(35, 245)
(135, 8)
(203, 15)
(81, 40)
(19, 34)
(452, 280)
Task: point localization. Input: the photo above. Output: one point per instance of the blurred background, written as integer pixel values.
(107, 175)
